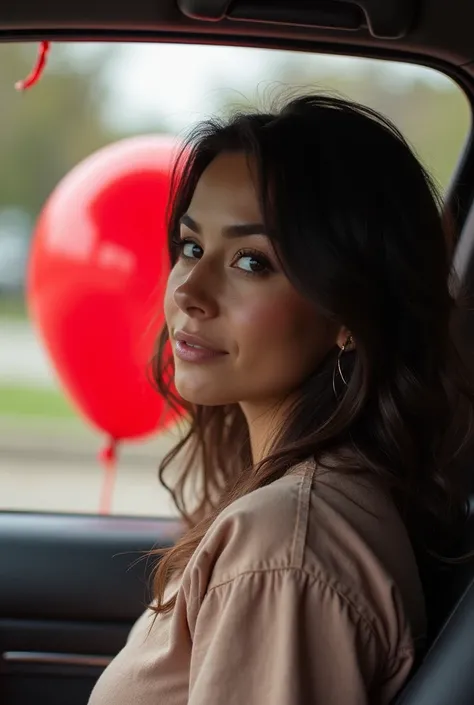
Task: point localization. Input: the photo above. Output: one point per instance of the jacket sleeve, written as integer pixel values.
(281, 637)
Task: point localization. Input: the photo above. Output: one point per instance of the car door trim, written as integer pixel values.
(56, 659)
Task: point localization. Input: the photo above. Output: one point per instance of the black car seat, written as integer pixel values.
(446, 673)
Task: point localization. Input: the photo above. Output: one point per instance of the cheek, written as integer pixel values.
(279, 323)
(262, 318)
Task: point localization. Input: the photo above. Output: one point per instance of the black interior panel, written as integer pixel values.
(70, 589)
(433, 28)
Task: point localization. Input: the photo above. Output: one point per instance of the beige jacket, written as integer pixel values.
(305, 592)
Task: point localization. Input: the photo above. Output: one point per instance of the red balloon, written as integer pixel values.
(96, 282)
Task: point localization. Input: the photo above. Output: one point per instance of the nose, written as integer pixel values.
(194, 297)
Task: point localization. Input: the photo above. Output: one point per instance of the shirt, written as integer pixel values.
(303, 592)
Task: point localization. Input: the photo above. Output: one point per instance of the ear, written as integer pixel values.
(345, 339)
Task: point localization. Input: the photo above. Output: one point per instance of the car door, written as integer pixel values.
(70, 589)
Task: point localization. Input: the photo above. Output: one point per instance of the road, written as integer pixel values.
(57, 470)
(76, 487)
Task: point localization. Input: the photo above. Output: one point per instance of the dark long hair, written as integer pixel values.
(358, 226)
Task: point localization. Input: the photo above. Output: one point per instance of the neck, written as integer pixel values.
(264, 424)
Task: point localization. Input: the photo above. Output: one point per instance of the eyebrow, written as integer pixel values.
(238, 230)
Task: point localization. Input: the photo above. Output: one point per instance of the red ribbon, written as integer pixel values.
(108, 458)
(38, 69)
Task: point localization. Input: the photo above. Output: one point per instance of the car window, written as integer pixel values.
(93, 95)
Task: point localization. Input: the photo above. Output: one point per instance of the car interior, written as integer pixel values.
(70, 587)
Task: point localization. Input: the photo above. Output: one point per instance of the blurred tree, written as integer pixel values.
(432, 112)
(49, 128)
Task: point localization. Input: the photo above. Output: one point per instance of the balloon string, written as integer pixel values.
(108, 458)
(38, 69)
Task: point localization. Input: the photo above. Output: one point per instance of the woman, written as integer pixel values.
(308, 314)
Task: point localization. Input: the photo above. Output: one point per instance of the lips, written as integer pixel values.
(192, 348)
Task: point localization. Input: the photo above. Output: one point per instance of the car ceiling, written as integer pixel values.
(436, 28)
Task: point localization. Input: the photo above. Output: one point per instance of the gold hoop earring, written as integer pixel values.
(337, 367)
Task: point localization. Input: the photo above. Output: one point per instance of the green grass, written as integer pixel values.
(13, 307)
(34, 402)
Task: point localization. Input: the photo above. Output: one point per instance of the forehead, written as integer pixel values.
(227, 191)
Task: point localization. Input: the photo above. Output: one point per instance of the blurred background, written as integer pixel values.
(92, 95)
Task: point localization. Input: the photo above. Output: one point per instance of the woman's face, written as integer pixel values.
(240, 331)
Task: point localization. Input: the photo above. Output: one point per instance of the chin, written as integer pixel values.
(202, 394)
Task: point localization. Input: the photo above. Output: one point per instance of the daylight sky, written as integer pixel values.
(184, 82)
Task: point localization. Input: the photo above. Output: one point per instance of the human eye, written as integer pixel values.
(188, 248)
(252, 262)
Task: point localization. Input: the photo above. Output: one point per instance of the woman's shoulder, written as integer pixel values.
(261, 530)
(339, 529)
(309, 520)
